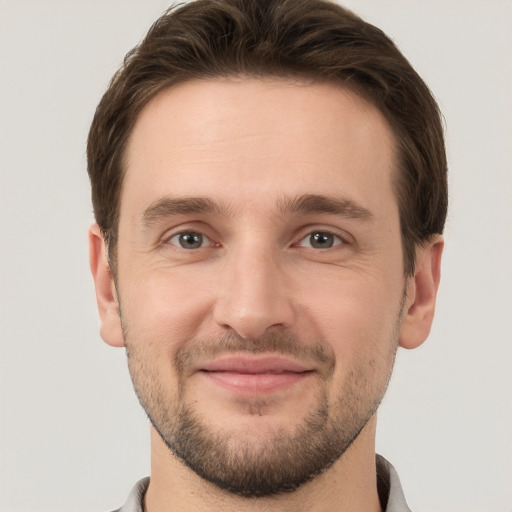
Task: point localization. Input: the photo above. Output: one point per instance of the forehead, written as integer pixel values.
(231, 140)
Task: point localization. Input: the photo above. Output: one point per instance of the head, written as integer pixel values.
(269, 184)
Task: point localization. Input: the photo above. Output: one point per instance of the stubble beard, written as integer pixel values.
(243, 462)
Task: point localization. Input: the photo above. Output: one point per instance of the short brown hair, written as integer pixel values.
(313, 39)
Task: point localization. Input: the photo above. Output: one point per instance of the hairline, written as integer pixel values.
(287, 77)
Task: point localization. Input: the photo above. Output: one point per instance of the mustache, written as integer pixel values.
(272, 342)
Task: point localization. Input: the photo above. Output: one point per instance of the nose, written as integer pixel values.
(253, 294)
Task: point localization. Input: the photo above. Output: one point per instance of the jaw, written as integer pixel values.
(172, 481)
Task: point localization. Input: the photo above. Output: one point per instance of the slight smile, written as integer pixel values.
(252, 375)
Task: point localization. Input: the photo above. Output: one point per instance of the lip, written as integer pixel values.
(254, 364)
(249, 374)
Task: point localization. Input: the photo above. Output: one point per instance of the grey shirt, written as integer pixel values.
(390, 491)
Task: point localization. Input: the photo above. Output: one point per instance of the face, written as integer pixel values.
(260, 276)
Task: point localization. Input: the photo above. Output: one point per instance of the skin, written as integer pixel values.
(251, 147)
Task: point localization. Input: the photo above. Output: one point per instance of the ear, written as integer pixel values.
(421, 294)
(111, 330)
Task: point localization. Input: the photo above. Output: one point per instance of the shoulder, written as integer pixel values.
(134, 501)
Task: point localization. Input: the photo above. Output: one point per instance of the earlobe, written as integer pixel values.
(421, 294)
(111, 329)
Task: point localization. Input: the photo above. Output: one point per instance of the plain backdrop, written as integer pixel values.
(72, 435)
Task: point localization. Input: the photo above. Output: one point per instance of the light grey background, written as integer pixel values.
(72, 435)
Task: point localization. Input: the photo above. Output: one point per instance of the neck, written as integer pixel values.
(348, 485)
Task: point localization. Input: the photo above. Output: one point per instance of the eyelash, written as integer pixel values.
(204, 241)
(319, 235)
(194, 235)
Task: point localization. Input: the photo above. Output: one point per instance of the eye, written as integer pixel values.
(190, 240)
(320, 240)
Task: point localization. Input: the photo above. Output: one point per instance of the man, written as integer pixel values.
(269, 185)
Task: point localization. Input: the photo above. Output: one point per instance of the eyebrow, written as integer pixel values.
(312, 203)
(173, 206)
(304, 204)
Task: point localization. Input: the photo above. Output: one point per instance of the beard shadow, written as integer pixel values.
(249, 462)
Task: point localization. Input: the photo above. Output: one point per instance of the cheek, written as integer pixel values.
(354, 307)
(164, 309)
(357, 317)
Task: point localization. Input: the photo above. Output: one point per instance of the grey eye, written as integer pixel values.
(189, 240)
(320, 240)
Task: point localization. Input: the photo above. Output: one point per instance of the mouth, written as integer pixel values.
(249, 374)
